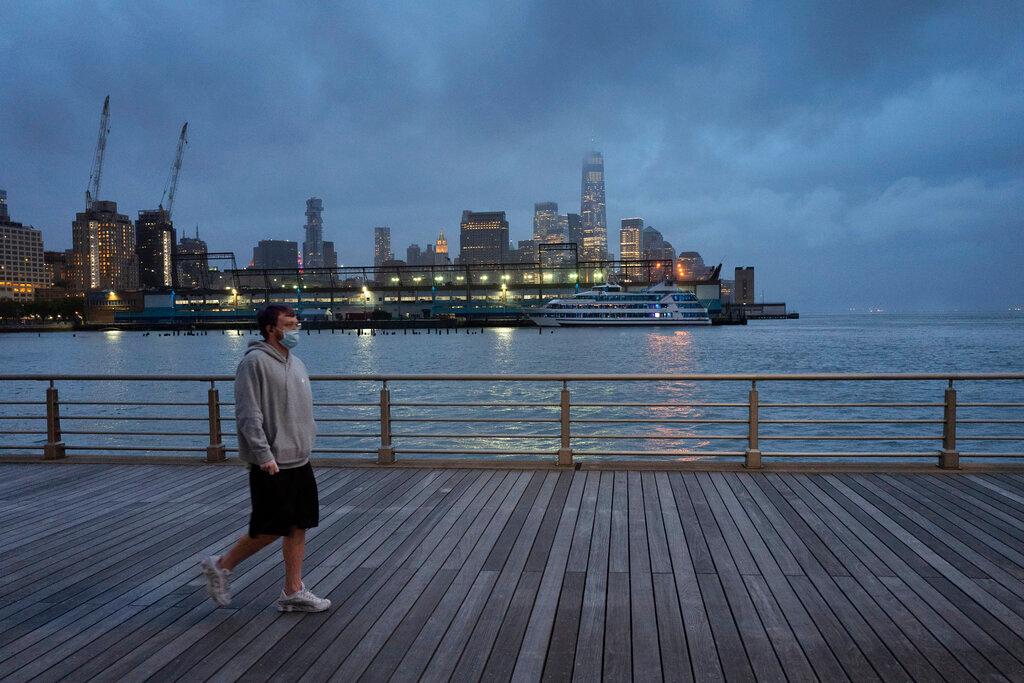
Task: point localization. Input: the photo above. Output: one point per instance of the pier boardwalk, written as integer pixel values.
(467, 574)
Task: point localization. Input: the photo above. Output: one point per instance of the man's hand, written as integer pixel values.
(270, 467)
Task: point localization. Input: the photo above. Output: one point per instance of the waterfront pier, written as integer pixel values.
(450, 554)
(510, 574)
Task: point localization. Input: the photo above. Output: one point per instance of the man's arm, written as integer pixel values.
(249, 416)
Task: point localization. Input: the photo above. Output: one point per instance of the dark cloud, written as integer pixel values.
(860, 153)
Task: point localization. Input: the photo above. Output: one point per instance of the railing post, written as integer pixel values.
(386, 452)
(565, 447)
(949, 458)
(215, 451)
(752, 458)
(54, 448)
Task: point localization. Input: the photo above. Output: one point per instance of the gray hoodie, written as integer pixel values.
(273, 408)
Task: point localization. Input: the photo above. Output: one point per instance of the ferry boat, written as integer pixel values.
(609, 304)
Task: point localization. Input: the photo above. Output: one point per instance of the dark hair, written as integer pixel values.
(267, 316)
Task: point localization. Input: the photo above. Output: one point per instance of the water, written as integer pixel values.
(813, 344)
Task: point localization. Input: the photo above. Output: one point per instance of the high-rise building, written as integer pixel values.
(483, 237)
(57, 267)
(526, 250)
(330, 255)
(193, 266)
(22, 268)
(654, 247)
(276, 254)
(313, 246)
(690, 266)
(155, 244)
(441, 246)
(546, 227)
(382, 246)
(574, 229)
(629, 244)
(743, 290)
(104, 247)
(592, 209)
(413, 255)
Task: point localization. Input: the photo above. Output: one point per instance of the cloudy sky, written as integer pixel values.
(858, 154)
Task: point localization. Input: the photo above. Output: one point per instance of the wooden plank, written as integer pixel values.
(579, 554)
(657, 543)
(562, 646)
(618, 548)
(618, 650)
(587, 665)
(675, 660)
(452, 621)
(529, 661)
(703, 651)
(643, 628)
(1005, 662)
(478, 649)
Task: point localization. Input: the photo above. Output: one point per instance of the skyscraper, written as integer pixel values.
(330, 255)
(155, 244)
(441, 246)
(592, 209)
(382, 246)
(22, 268)
(193, 267)
(483, 237)
(104, 249)
(629, 243)
(574, 229)
(276, 254)
(413, 254)
(743, 290)
(654, 247)
(546, 224)
(313, 246)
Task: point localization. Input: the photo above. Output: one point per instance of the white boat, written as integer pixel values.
(610, 305)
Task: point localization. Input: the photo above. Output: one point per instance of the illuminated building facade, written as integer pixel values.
(690, 266)
(629, 242)
(441, 246)
(382, 246)
(104, 249)
(594, 228)
(483, 237)
(313, 249)
(22, 267)
(155, 245)
(547, 228)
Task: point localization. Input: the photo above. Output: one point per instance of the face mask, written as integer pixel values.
(290, 339)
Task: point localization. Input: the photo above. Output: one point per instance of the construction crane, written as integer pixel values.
(172, 181)
(92, 193)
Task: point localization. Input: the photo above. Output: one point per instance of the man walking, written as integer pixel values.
(274, 418)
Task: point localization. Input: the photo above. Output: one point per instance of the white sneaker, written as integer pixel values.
(303, 601)
(218, 581)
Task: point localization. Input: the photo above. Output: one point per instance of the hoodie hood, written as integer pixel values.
(267, 349)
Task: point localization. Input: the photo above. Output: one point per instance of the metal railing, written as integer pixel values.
(573, 422)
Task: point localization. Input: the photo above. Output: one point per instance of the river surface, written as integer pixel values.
(812, 344)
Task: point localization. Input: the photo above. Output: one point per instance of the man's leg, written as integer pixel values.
(245, 547)
(294, 549)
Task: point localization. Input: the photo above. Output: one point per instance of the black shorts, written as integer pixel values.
(284, 501)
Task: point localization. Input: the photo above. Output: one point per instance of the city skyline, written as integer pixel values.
(845, 153)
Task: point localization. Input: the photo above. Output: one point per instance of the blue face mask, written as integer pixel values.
(290, 339)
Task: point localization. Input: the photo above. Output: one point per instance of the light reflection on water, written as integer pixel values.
(979, 343)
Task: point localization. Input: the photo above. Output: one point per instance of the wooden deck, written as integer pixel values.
(456, 574)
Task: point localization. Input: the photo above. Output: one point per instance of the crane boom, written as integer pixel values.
(92, 193)
(172, 181)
